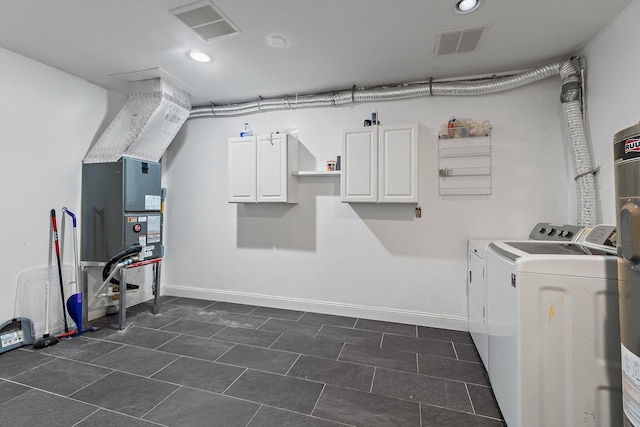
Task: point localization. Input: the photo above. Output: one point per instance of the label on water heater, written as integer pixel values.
(628, 148)
(630, 385)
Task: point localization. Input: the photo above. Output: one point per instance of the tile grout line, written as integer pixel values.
(473, 408)
(286, 374)
(344, 344)
(165, 366)
(162, 401)
(88, 416)
(233, 382)
(373, 378)
(319, 330)
(165, 343)
(254, 415)
(318, 399)
(275, 341)
(225, 352)
(223, 329)
(454, 350)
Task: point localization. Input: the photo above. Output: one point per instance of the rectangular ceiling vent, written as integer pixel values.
(205, 19)
(458, 41)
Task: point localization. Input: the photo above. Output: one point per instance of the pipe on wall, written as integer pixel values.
(412, 90)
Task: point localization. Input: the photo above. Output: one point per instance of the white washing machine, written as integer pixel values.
(553, 331)
(477, 278)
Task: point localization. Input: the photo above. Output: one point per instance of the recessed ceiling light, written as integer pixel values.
(466, 6)
(277, 41)
(198, 56)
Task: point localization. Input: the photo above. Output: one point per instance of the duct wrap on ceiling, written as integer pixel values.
(145, 126)
(571, 105)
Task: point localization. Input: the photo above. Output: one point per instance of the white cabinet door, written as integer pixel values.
(398, 164)
(477, 304)
(241, 173)
(359, 178)
(272, 168)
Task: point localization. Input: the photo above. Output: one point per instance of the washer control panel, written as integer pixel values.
(555, 232)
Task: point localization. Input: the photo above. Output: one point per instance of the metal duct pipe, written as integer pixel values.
(571, 98)
(571, 105)
(145, 126)
(460, 88)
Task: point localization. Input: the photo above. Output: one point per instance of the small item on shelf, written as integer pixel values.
(374, 118)
(338, 165)
(331, 165)
(246, 130)
(367, 123)
(465, 127)
(451, 127)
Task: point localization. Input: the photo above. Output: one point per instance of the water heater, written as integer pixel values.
(121, 206)
(627, 191)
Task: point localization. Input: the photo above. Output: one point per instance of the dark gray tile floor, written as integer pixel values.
(208, 363)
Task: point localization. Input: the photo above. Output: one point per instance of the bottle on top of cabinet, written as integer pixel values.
(246, 130)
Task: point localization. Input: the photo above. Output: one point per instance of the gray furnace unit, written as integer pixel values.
(121, 206)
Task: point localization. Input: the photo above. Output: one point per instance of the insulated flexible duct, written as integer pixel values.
(460, 88)
(571, 105)
(571, 98)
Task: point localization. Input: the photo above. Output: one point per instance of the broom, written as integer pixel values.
(46, 339)
(54, 225)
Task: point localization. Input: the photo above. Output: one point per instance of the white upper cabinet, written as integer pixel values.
(398, 164)
(259, 169)
(277, 158)
(380, 164)
(359, 175)
(241, 169)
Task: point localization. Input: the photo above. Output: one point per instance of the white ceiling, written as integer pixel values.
(335, 44)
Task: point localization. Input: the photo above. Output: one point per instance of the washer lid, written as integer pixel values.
(514, 250)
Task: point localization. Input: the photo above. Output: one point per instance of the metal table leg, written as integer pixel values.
(85, 295)
(123, 296)
(156, 290)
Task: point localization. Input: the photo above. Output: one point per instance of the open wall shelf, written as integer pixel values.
(464, 165)
(316, 173)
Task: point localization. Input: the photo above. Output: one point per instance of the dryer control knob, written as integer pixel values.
(551, 232)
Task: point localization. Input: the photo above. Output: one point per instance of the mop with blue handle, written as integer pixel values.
(74, 303)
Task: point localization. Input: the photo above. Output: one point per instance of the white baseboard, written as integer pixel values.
(434, 320)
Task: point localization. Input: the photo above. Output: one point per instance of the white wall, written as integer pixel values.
(48, 119)
(352, 259)
(612, 95)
